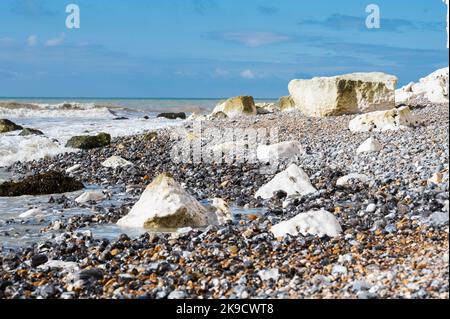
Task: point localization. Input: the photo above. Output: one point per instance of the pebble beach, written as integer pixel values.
(394, 240)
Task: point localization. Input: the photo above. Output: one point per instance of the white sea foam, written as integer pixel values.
(27, 148)
(65, 109)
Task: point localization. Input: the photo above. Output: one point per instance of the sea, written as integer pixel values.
(60, 119)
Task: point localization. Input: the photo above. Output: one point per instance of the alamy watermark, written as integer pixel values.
(373, 20)
(73, 19)
(210, 145)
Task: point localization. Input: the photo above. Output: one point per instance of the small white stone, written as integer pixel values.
(319, 223)
(31, 213)
(90, 196)
(370, 145)
(371, 208)
(268, 274)
(344, 180)
(293, 181)
(339, 270)
(73, 168)
(116, 161)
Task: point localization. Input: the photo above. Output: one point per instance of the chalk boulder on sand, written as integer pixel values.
(345, 94)
(395, 119)
(165, 204)
(237, 106)
(318, 223)
(293, 181)
(433, 88)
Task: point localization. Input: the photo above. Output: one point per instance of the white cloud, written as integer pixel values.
(248, 74)
(56, 41)
(254, 39)
(6, 40)
(222, 72)
(32, 40)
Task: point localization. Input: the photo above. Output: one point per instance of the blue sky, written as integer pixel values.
(209, 48)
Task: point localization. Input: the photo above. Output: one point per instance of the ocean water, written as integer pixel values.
(59, 120)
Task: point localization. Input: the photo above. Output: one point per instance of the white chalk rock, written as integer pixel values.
(284, 151)
(165, 204)
(116, 161)
(222, 210)
(293, 181)
(64, 266)
(73, 168)
(433, 87)
(344, 180)
(319, 223)
(344, 94)
(370, 145)
(31, 213)
(90, 196)
(237, 106)
(395, 119)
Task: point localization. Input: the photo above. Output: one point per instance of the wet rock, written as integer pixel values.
(93, 273)
(8, 126)
(173, 116)
(87, 142)
(30, 131)
(38, 260)
(41, 184)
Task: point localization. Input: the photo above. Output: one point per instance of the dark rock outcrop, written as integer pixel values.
(8, 126)
(30, 131)
(42, 184)
(87, 142)
(173, 116)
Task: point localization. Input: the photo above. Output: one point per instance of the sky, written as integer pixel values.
(210, 48)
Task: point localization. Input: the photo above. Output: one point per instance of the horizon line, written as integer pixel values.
(128, 98)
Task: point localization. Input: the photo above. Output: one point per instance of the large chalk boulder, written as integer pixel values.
(237, 106)
(432, 88)
(345, 94)
(395, 119)
(165, 204)
(293, 181)
(284, 151)
(318, 223)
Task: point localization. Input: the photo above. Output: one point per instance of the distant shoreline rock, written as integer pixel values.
(344, 94)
